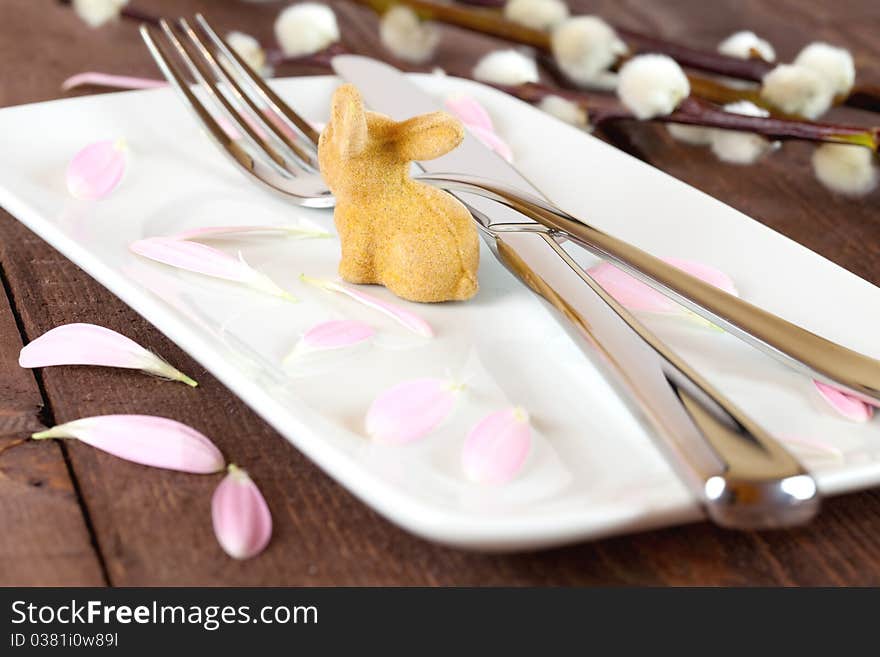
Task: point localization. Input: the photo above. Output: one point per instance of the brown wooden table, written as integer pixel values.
(71, 515)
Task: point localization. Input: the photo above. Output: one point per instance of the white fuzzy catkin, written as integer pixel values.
(797, 90)
(585, 47)
(696, 135)
(249, 49)
(739, 147)
(407, 37)
(537, 14)
(652, 85)
(306, 28)
(834, 64)
(506, 67)
(742, 44)
(98, 12)
(846, 169)
(565, 110)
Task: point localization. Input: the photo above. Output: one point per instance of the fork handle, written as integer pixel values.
(818, 357)
(742, 476)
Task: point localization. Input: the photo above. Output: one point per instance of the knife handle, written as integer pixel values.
(817, 357)
(743, 477)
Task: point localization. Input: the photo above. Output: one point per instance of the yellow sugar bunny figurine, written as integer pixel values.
(416, 240)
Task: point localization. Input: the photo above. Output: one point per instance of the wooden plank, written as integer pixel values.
(153, 527)
(45, 539)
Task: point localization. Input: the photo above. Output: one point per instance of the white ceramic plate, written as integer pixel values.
(592, 471)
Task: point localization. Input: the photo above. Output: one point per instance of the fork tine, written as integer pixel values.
(297, 153)
(206, 80)
(282, 109)
(317, 197)
(174, 76)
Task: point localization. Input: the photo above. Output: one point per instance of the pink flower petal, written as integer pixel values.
(231, 128)
(847, 405)
(206, 232)
(470, 112)
(410, 410)
(635, 295)
(241, 518)
(107, 80)
(145, 439)
(228, 127)
(87, 344)
(203, 259)
(335, 334)
(477, 120)
(232, 131)
(812, 447)
(705, 273)
(270, 115)
(497, 447)
(630, 292)
(492, 141)
(408, 319)
(95, 171)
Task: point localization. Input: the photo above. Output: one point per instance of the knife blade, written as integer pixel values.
(743, 477)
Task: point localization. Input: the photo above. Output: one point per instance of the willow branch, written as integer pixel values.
(698, 112)
(486, 19)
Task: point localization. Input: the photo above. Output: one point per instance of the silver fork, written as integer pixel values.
(742, 475)
(288, 166)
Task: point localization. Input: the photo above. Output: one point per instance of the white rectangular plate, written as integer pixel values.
(593, 470)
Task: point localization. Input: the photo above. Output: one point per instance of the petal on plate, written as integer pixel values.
(106, 80)
(400, 314)
(241, 518)
(630, 292)
(335, 334)
(146, 439)
(207, 232)
(88, 344)
(706, 273)
(95, 171)
(469, 111)
(812, 448)
(492, 141)
(497, 447)
(635, 295)
(203, 259)
(410, 410)
(477, 120)
(847, 405)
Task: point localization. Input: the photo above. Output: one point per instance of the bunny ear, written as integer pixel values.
(348, 121)
(428, 136)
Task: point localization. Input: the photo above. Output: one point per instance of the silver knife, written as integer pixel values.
(742, 476)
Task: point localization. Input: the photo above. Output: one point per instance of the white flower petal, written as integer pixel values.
(98, 12)
(696, 135)
(306, 28)
(742, 45)
(652, 85)
(537, 14)
(249, 49)
(845, 169)
(834, 64)
(506, 67)
(585, 48)
(565, 110)
(797, 90)
(407, 37)
(738, 147)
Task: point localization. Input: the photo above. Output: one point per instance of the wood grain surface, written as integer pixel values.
(74, 515)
